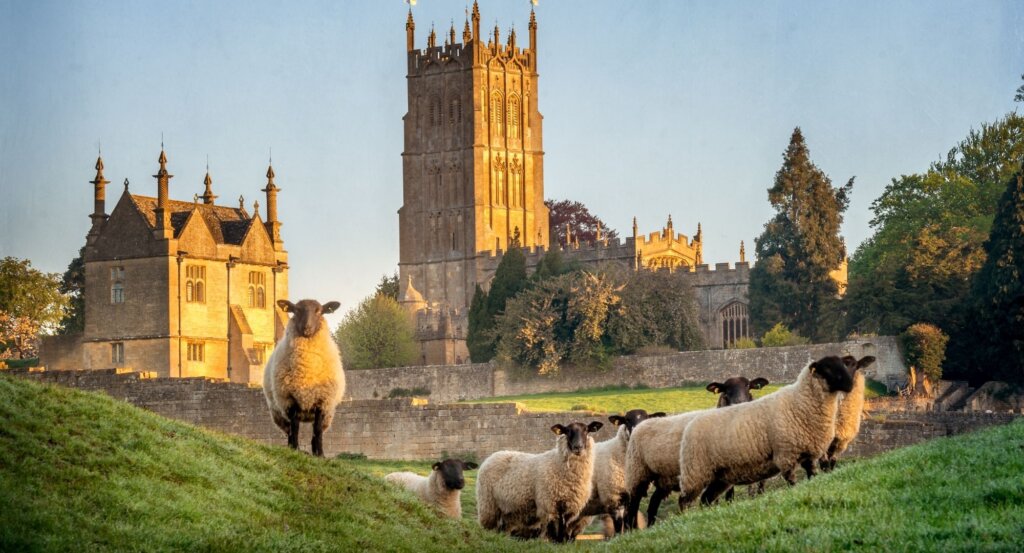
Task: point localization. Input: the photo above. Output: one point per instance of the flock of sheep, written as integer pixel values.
(556, 494)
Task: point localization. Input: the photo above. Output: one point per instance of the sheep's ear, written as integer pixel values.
(659, 414)
(286, 306)
(558, 429)
(715, 387)
(814, 367)
(758, 383)
(470, 466)
(594, 426)
(865, 361)
(330, 307)
(437, 466)
(617, 420)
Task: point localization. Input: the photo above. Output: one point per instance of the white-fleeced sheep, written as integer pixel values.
(749, 442)
(851, 408)
(442, 489)
(303, 380)
(608, 498)
(528, 495)
(733, 391)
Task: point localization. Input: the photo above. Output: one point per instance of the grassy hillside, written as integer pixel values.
(80, 471)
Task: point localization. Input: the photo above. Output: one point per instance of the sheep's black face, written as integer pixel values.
(451, 472)
(736, 390)
(834, 372)
(853, 364)
(632, 418)
(307, 315)
(577, 435)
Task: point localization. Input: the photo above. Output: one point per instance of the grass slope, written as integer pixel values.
(80, 471)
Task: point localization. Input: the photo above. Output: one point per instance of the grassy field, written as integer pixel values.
(80, 471)
(620, 399)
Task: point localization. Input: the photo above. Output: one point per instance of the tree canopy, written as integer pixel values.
(30, 293)
(509, 279)
(582, 223)
(799, 248)
(375, 334)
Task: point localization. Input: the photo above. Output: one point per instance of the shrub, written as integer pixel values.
(375, 334)
(743, 343)
(780, 335)
(924, 346)
(418, 391)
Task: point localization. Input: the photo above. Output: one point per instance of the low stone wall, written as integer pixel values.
(464, 382)
(414, 429)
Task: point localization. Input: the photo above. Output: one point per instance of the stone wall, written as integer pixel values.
(414, 429)
(463, 382)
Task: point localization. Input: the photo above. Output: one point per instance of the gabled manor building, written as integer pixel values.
(473, 179)
(181, 288)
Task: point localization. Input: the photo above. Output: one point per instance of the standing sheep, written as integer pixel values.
(528, 494)
(653, 452)
(850, 409)
(733, 391)
(442, 489)
(608, 497)
(303, 380)
(750, 442)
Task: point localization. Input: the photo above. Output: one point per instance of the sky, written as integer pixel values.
(650, 108)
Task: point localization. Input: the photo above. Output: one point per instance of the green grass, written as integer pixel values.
(621, 399)
(81, 471)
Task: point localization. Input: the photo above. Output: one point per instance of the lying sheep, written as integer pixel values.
(608, 498)
(527, 495)
(750, 442)
(442, 489)
(653, 452)
(303, 380)
(850, 409)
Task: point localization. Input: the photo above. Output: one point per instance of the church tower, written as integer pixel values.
(473, 172)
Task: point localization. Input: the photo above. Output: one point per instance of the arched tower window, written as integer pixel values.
(735, 323)
(190, 292)
(251, 297)
(435, 111)
(496, 113)
(513, 116)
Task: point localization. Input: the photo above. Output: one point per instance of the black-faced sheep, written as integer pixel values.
(733, 391)
(851, 408)
(609, 498)
(750, 442)
(653, 452)
(303, 380)
(442, 489)
(528, 495)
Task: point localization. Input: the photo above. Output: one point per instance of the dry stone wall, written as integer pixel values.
(465, 382)
(414, 429)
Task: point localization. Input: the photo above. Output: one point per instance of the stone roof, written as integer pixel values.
(228, 225)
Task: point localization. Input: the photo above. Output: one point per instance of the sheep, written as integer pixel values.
(528, 495)
(749, 442)
(849, 416)
(442, 489)
(733, 391)
(653, 452)
(609, 483)
(304, 380)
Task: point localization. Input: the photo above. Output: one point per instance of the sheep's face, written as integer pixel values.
(853, 364)
(632, 418)
(736, 390)
(833, 371)
(577, 435)
(450, 471)
(308, 315)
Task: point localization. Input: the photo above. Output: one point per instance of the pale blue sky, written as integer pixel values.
(650, 108)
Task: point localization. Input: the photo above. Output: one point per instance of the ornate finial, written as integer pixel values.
(409, 23)
(241, 202)
(699, 232)
(512, 37)
(451, 33)
(432, 38)
(270, 176)
(99, 171)
(195, 199)
(743, 253)
(163, 158)
(497, 34)
(467, 35)
(255, 207)
(533, 17)
(125, 185)
(669, 221)
(208, 196)
(476, 10)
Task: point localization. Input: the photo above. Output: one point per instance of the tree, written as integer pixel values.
(1019, 97)
(509, 279)
(377, 333)
(582, 223)
(28, 292)
(925, 348)
(799, 247)
(658, 308)
(19, 337)
(388, 286)
(72, 285)
(998, 294)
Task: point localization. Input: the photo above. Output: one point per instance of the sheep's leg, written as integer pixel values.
(633, 500)
(730, 493)
(752, 491)
(318, 432)
(714, 490)
(656, 499)
(686, 498)
(810, 467)
(790, 476)
(293, 426)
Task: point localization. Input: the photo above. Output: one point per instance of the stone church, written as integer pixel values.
(182, 288)
(473, 178)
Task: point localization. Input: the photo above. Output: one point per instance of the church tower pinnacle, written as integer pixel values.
(163, 212)
(410, 33)
(99, 195)
(273, 224)
(208, 196)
